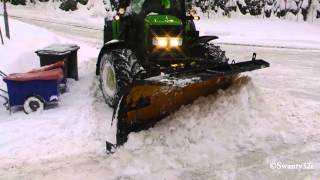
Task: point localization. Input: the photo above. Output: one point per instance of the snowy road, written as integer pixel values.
(272, 117)
(69, 30)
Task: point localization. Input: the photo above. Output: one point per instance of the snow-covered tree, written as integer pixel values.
(277, 8)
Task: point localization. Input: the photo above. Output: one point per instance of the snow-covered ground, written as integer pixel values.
(58, 131)
(269, 116)
(49, 11)
(263, 32)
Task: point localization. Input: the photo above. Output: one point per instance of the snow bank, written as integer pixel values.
(90, 15)
(58, 131)
(212, 130)
(17, 55)
(262, 32)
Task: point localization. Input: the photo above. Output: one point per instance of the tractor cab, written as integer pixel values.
(159, 30)
(173, 7)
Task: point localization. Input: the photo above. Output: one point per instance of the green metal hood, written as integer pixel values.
(162, 20)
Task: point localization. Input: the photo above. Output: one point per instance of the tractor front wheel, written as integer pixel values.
(116, 73)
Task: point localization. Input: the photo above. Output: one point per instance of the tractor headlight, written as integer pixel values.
(175, 42)
(160, 41)
(163, 42)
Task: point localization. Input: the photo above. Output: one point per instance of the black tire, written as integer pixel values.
(214, 53)
(122, 62)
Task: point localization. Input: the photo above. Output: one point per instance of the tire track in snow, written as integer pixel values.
(87, 34)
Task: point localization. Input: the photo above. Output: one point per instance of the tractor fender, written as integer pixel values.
(110, 45)
(205, 39)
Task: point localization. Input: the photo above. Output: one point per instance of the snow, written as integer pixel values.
(242, 30)
(25, 58)
(305, 4)
(179, 82)
(262, 32)
(91, 15)
(270, 115)
(57, 131)
(58, 49)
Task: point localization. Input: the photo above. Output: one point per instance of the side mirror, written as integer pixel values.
(188, 18)
(196, 18)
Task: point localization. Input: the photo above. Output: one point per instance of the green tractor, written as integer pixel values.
(153, 61)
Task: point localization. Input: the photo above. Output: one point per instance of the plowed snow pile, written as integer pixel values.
(220, 136)
(231, 120)
(266, 116)
(212, 130)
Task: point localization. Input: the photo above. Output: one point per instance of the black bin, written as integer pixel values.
(57, 52)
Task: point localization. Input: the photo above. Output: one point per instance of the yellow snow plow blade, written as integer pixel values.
(150, 102)
(146, 101)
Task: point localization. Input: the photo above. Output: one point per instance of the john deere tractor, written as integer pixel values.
(153, 61)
